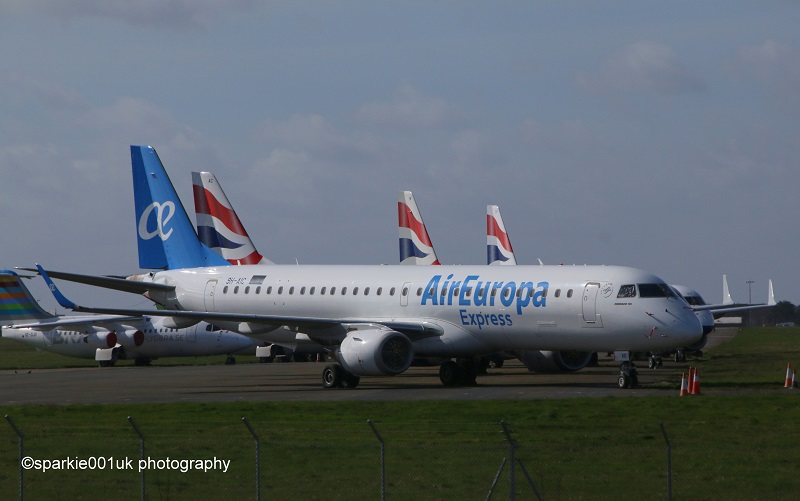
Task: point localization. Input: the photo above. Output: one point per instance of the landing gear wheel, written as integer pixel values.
(628, 376)
(350, 380)
(655, 362)
(230, 361)
(469, 372)
(332, 376)
(624, 382)
(449, 373)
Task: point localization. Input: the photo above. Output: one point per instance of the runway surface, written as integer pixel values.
(254, 382)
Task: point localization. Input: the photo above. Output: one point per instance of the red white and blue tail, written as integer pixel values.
(498, 245)
(218, 226)
(415, 245)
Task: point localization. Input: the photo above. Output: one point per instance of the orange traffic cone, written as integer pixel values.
(794, 379)
(788, 383)
(684, 390)
(696, 383)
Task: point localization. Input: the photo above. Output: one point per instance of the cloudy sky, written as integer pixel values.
(660, 135)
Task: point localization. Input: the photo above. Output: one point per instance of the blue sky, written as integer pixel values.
(660, 135)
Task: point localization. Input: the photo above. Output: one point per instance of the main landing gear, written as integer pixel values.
(334, 376)
(458, 373)
(655, 362)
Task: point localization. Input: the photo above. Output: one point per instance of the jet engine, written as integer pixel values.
(101, 339)
(375, 352)
(555, 361)
(130, 338)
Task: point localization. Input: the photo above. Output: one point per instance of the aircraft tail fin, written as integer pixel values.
(415, 244)
(165, 235)
(498, 245)
(218, 226)
(771, 300)
(16, 301)
(726, 292)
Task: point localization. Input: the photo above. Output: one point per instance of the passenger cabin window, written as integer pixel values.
(366, 291)
(355, 291)
(627, 291)
(379, 291)
(344, 291)
(558, 292)
(569, 293)
(405, 291)
(311, 291)
(655, 290)
(419, 291)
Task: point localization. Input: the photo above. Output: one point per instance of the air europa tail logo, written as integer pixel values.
(163, 214)
(475, 292)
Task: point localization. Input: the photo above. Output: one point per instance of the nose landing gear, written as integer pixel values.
(628, 376)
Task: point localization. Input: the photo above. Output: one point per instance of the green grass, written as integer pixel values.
(741, 445)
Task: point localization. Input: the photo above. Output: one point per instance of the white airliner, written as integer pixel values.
(499, 251)
(106, 338)
(379, 317)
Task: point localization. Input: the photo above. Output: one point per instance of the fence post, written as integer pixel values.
(258, 457)
(669, 462)
(512, 447)
(141, 453)
(383, 465)
(21, 469)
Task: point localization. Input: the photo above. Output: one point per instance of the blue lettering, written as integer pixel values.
(507, 293)
(540, 297)
(463, 299)
(430, 291)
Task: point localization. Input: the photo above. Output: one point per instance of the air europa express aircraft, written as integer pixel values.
(377, 318)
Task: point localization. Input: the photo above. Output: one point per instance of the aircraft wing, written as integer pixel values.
(67, 321)
(720, 310)
(115, 283)
(322, 327)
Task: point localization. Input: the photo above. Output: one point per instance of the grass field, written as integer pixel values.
(743, 444)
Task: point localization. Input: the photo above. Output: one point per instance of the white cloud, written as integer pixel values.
(643, 67)
(775, 63)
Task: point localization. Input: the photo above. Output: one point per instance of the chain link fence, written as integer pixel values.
(246, 459)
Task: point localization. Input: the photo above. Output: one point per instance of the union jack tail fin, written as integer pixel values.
(16, 301)
(218, 226)
(415, 245)
(165, 235)
(498, 245)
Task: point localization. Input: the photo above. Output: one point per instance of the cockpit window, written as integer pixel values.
(655, 290)
(694, 300)
(627, 291)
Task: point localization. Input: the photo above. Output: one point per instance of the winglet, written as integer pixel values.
(61, 298)
(726, 293)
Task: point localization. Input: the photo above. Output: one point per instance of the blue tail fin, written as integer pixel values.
(16, 302)
(165, 234)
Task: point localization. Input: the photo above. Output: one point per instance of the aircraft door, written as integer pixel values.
(209, 295)
(590, 304)
(405, 291)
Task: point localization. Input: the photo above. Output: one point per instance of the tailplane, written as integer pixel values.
(498, 245)
(415, 245)
(218, 226)
(165, 234)
(16, 301)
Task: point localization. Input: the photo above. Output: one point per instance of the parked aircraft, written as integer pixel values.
(106, 338)
(379, 317)
(499, 251)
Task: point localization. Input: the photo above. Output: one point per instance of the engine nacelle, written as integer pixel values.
(555, 361)
(375, 352)
(130, 338)
(101, 339)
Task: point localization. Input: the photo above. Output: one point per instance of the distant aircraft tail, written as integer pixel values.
(218, 226)
(498, 245)
(16, 302)
(415, 245)
(165, 234)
